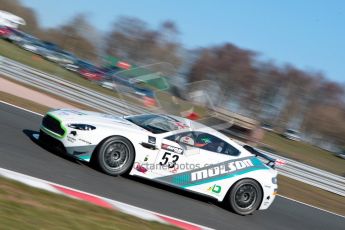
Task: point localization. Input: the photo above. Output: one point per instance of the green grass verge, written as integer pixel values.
(311, 195)
(24, 207)
(305, 153)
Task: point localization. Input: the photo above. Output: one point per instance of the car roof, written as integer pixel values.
(198, 127)
(195, 126)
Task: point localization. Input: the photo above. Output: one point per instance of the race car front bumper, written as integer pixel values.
(55, 135)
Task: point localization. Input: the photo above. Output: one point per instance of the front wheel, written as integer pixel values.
(245, 196)
(115, 156)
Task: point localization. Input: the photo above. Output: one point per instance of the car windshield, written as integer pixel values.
(156, 123)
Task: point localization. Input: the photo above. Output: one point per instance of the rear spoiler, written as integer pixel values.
(270, 161)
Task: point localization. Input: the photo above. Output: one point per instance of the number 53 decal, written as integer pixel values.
(169, 159)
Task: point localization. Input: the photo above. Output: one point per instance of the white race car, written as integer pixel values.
(168, 149)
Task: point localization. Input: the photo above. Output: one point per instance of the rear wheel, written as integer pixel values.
(245, 196)
(115, 156)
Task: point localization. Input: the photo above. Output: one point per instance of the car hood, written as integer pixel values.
(93, 118)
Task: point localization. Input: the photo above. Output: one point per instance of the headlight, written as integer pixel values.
(82, 127)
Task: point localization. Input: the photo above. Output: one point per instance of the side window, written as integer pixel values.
(204, 141)
(230, 150)
(186, 138)
(214, 144)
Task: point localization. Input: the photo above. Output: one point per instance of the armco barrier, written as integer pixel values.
(310, 175)
(67, 89)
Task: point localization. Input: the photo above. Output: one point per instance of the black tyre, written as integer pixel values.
(245, 196)
(114, 156)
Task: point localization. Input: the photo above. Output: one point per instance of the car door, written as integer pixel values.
(169, 158)
(174, 154)
(190, 150)
(200, 150)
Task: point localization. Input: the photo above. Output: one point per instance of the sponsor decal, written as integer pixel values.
(221, 169)
(71, 139)
(214, 172)
(140, 168)
(215, 189)
(172, 148)
(87, 142)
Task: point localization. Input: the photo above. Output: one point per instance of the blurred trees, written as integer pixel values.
(131, 39)
(325, 114)
(285, 97)
(326, 122)
(229, 66)
(73, 37)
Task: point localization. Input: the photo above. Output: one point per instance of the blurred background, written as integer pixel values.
(159, 66)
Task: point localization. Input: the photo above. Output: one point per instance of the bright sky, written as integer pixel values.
(308, 34)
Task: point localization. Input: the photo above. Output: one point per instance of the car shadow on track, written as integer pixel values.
(184, 193)
(33, 136)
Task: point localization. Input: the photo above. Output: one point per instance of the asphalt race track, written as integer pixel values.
(18, 152)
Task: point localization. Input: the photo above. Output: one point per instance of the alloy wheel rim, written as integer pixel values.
(116, 155)
(246, 196)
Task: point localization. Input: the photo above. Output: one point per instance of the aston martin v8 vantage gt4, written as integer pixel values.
(167, 149)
